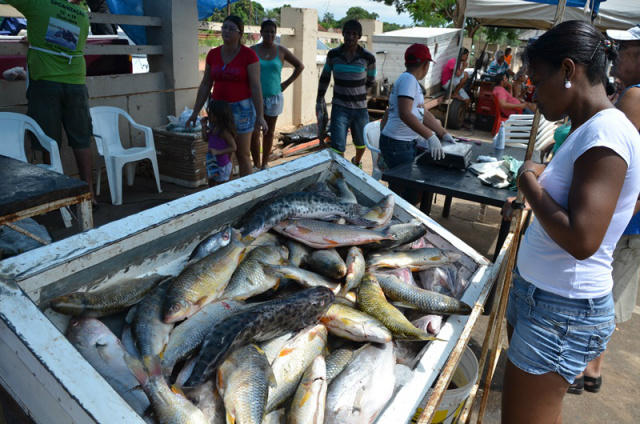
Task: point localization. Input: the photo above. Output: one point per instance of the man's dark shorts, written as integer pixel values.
(54, 105)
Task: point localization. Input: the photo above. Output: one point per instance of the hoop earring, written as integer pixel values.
(567, 83)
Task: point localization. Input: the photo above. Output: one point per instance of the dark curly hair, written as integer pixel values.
(576, 40)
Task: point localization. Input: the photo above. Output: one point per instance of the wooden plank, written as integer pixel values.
(20, 49)
(248, 29)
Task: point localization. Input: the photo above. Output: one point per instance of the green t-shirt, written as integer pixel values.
(60, 27)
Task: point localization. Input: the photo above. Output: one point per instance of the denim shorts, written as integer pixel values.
(274, 105)
(343, 118)
(217, 173)
(397, 152)
(54, 105)
(552, 333)
(244, 113)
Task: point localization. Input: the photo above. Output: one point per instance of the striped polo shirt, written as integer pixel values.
(352, 78)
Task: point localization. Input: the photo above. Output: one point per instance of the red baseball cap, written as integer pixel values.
(417, 53)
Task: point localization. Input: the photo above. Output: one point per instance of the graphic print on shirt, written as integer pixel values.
(62, 34)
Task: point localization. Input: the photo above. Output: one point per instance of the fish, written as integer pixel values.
(303, 277)
(309, 398)
(429, 323)
(108, 301)
(293, 360)
(186, 338)
(355, 325)
(273, 346)
(275, 417)
(323, 120)
(149, 331)
(301, 205)
(372, 301)
(426, 301)
(327, 262)
(210, 244)
(337, 361)
(382, 213)
(363, 388)
(249, 278)
(415, 260)
(324, 235)
(168, 406)
(355, 269)
(298, 252)
(404, 233)
(261, 322)
(264, 239)
(323, 188)
(243, 381)
(209, 401)
(345, 195)
(202, 282)
(104, 351)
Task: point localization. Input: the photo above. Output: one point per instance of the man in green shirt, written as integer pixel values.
(56, 91)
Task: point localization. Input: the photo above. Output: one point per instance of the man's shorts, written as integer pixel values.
(217, 173)
(343, 119)
(54, 105)
(552, 333)
(456, 80)
(626, 264)
(244, 114)
(274, 105)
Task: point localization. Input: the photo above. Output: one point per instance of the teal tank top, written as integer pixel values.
(270, 76)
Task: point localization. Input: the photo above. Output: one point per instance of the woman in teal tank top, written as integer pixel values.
(272, 56)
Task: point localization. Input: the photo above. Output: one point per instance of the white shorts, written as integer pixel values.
(273, 105)
(456, 80)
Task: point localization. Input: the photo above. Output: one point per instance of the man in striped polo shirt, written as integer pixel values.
(354, 73)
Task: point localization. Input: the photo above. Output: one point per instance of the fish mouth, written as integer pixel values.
(176, 312)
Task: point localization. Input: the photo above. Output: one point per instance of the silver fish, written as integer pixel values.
(102, 349)
(293, 360)
(328, 263)
(187, 337)
(355, 269)
(210, 245)
(303, 277)
(416, 259)
(298, 252)
(345, 193)
(404, 234)
(243, 381)
(355, 325)
(302, 205)
(273, 346)
(363, 388)
(249, 278)
(209, 401)
(337, 361)
(148, 329)
(168, 407)
(259, 323)
(424, 300)
(308, 402)
(324, 235)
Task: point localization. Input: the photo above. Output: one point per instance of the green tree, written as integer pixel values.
(358, 13)
(251, 12)
(328, 20)
(387, 26)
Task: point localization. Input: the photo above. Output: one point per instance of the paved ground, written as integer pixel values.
(616, 403)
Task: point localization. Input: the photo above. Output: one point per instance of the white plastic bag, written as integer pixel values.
(179, 124)
(15, 73)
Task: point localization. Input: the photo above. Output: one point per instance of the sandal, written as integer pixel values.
(594, 384)
(577, 387)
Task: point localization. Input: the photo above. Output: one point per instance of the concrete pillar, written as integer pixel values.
(179, 37)
(370, 27)
(305, 88)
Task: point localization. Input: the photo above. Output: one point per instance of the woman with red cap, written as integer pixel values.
(403, 122)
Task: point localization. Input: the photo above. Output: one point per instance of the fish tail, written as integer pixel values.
(137, 369)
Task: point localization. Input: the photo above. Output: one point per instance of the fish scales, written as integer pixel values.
(425, 300)
(262, 322)
(324, 235)
(415, 259)
(147, 327)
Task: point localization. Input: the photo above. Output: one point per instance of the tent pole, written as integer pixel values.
(464, 24)
(562, 4)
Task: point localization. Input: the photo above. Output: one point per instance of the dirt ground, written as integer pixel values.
(616, 402)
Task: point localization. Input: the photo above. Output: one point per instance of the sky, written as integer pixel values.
(339, 8)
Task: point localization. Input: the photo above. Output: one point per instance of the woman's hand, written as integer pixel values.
(260, 122)
(511, 205)
(193, 119)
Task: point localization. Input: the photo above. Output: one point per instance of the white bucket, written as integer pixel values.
(464, 377)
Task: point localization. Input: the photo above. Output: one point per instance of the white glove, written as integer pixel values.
(437, 152)
(447, 137)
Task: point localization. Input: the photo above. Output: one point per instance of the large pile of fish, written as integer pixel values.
(295, 316)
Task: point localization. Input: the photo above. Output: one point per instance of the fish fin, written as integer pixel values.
(136, 367)
(247, 240)
(201, 302)
(177, 390)
(431, 338)
(303, 230)
(330, 242)
(435, 258)
(285, 352)
(401, 304)
(231, 419)
(220, 380)
(305, 398)
(131, 314)
(271, 377)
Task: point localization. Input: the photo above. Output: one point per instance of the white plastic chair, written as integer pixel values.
(371, 136)
(13, 127)
(518, 127)
(107, 133)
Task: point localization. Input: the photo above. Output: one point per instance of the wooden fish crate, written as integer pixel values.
(53, 383)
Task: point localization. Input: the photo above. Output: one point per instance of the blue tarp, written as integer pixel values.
(594, 5)
(137, 33)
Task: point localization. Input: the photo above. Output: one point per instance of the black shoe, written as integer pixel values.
(595, 384)
(577, 387)
(353, 161)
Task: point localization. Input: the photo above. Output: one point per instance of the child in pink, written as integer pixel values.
(219, 130)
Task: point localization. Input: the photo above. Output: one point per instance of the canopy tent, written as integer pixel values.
(613, 14)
